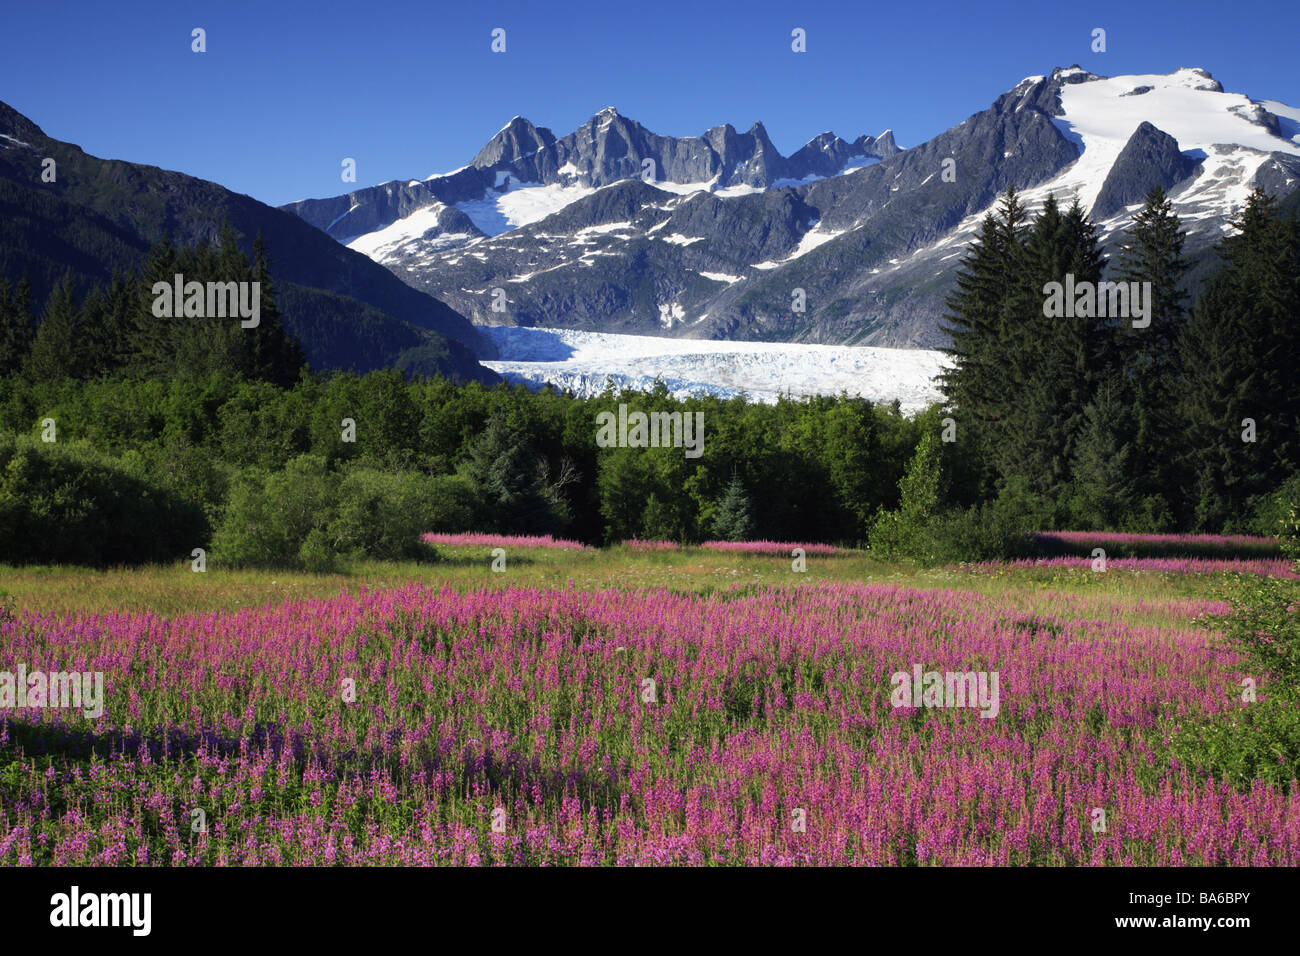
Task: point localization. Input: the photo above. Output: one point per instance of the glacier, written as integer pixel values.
(586, 362)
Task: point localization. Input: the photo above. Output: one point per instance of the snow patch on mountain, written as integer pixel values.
(450, 172)
(520, 204)
(1101, 114)
(383, 242)
(603, 228)
(1288, 118)
(807, 243)
(585, 362)
(685, 189)
(670, 313)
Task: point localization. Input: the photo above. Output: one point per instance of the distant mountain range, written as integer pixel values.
(100, 215)
(613, 228)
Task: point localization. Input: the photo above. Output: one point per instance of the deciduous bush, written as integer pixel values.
(64, 502)
(270, 516)
(381, 514)
(310, 517)
(1258, 739)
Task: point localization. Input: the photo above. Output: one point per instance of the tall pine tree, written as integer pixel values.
(1058, 360)
(1240, 350)
(1103, 483)
(196, 346)
(58, 350)
(1152, 251)
(15, 326)
(274, 356)
(979, 384)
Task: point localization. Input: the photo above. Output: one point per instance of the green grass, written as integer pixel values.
(176, 589)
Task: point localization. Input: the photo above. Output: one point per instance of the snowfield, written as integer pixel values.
(1224, 130)
(584, 362)
(1102, 114)
(519, 205)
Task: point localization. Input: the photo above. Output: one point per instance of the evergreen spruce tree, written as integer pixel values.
(213, 343)
(94, 358)
(508, 477)
(239, 346)
(1239, 352)
(1210, 401)
(15, 329)
(23, 303)
(119, 321)
(274, 355)
(151, 338)
(1031, 442)
(57, 352)
(984, 382)
(196, 346)
(1103, 483)
(1057, 360)
(733, 519)
(1153, 252)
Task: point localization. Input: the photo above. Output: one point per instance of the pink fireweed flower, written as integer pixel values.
(765, 700)
(782, 548)
(475, 539)
(633, 544)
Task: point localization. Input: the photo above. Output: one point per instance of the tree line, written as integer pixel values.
(239, 455)
(1185, 423)
(113, 330)
(200, 433)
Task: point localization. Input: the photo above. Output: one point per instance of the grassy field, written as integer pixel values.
(176, 589)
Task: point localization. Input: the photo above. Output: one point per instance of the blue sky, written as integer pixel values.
(285, 91)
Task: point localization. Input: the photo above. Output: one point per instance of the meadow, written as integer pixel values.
(627, 705)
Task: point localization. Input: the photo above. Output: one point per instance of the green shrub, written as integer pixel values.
(188, 471)
(984, 532)
(316, 553)
(64, 502)
(1260, 740)
(269, 516)
(925, 533)
(382, 514)
(452, 503)
(1275, 514)
(307, 516)
(908, 532)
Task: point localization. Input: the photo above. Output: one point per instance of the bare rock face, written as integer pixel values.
(1150, 158)
(617, 228)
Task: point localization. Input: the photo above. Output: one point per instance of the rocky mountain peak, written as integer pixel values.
(517, 139)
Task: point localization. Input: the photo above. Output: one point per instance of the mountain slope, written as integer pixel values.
(524, 173)
(103, 215)
(724, 234)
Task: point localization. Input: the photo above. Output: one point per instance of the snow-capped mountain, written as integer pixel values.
(524, 174)
(614, 228)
